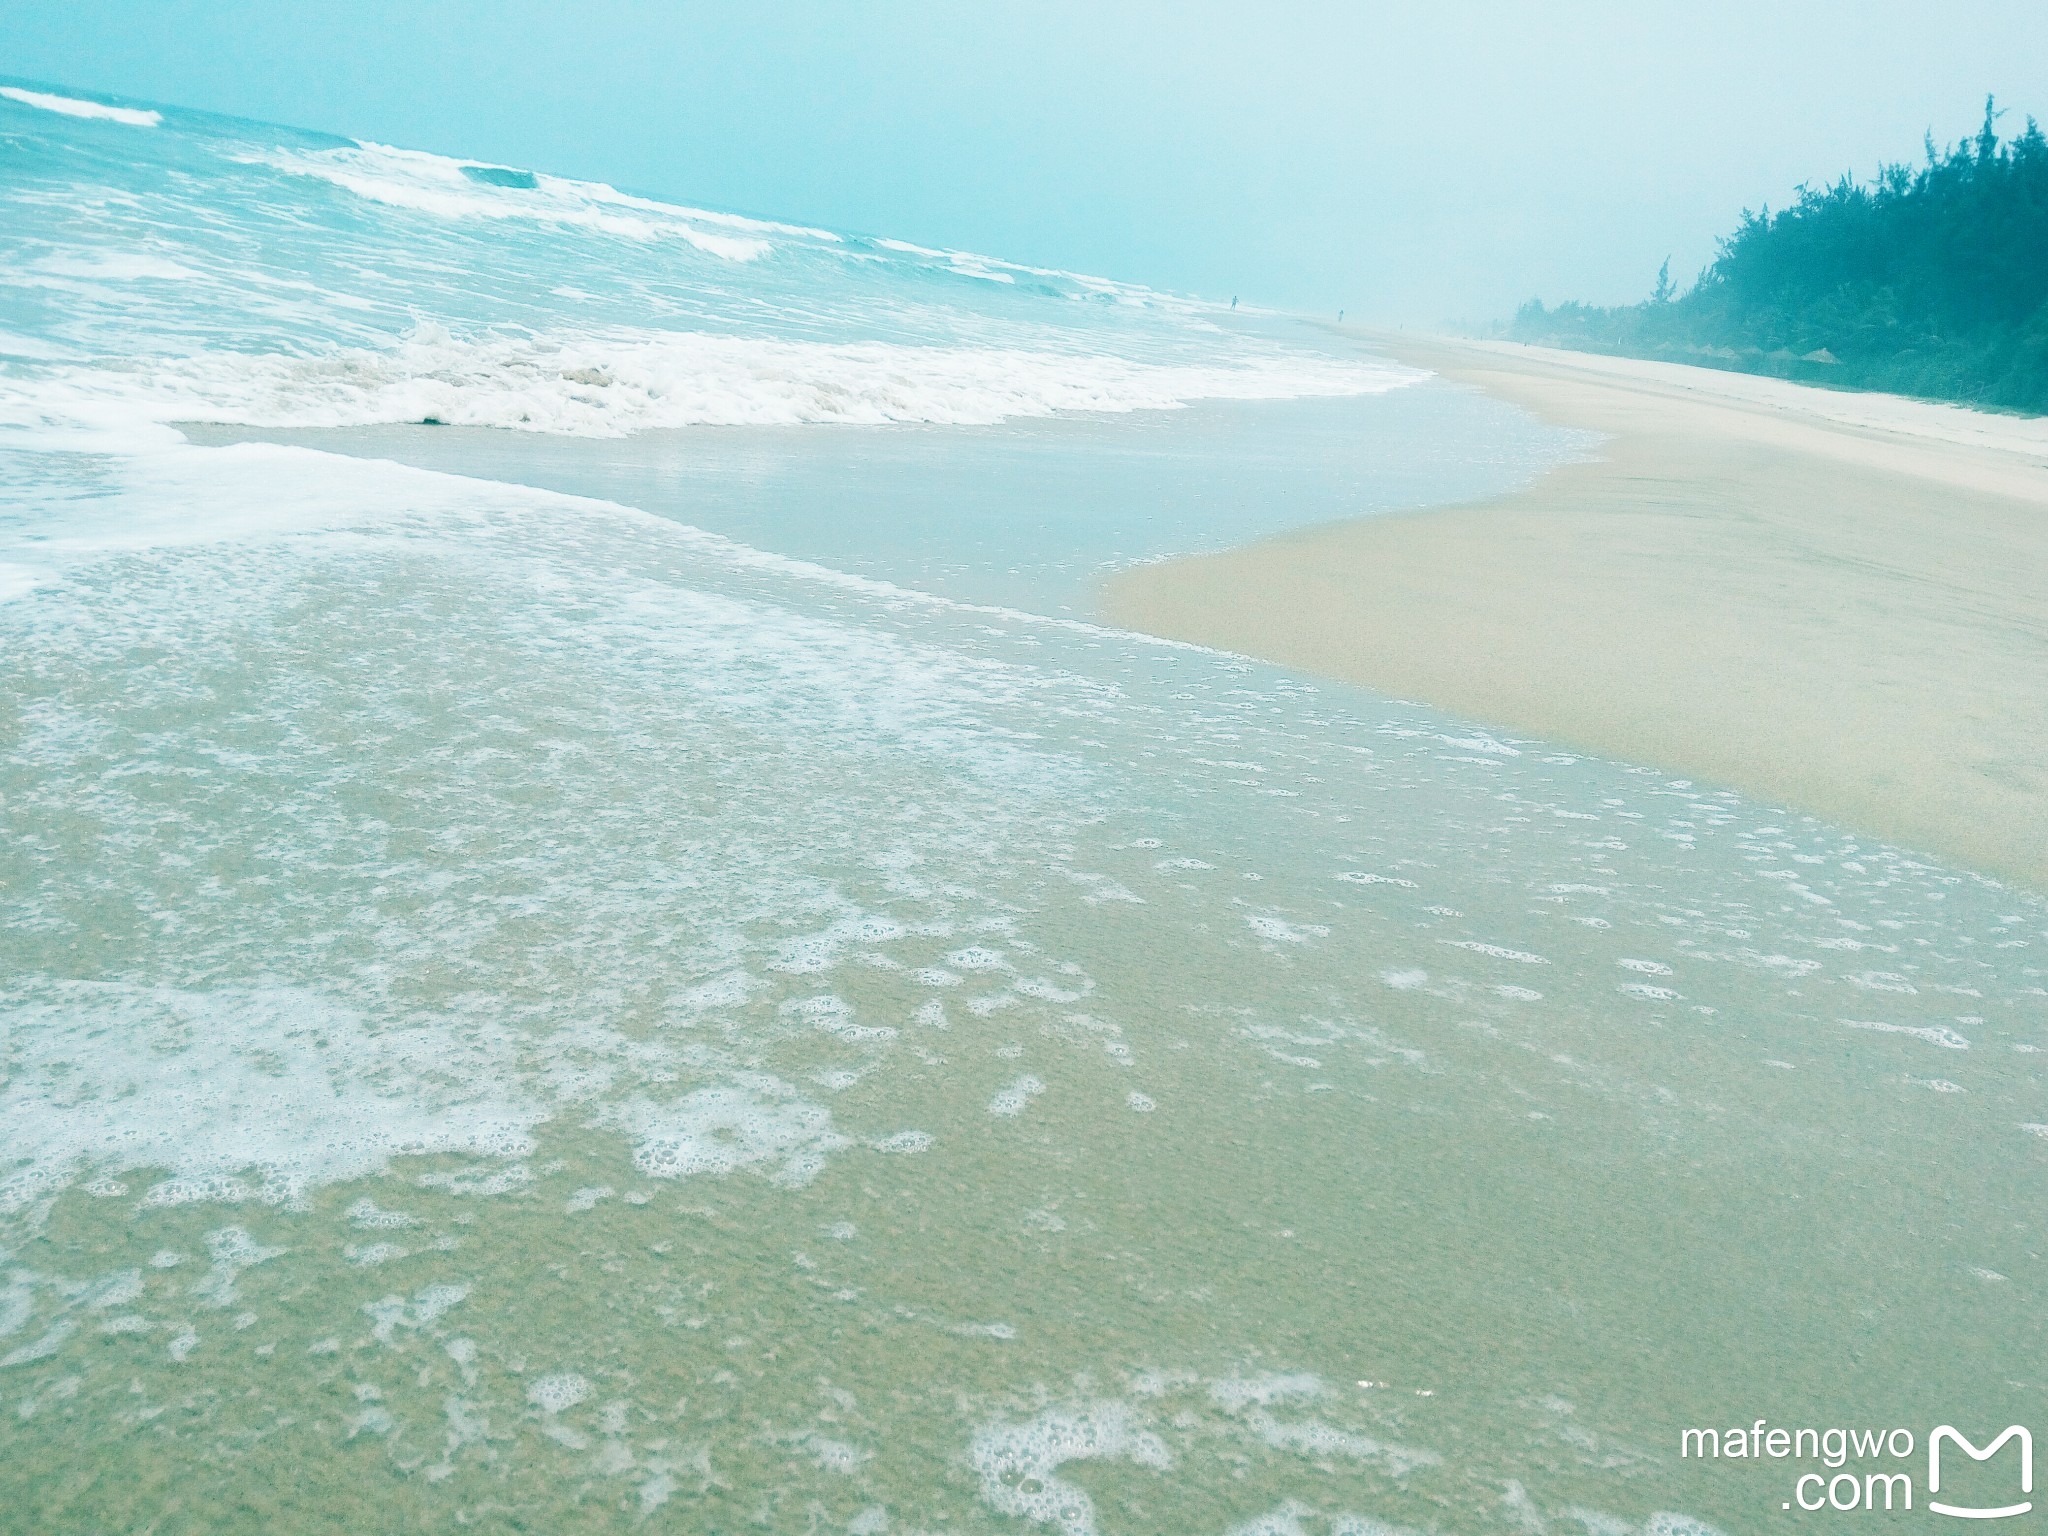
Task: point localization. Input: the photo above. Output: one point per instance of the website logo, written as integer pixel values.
(1844, 1471)
(1971, 1512)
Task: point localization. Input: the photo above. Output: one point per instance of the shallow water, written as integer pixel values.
(1024, 514)
(523, 1012)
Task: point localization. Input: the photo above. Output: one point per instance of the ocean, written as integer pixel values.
(593, 934)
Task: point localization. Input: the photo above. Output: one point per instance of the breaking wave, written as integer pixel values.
(610, 384)
(456, 189)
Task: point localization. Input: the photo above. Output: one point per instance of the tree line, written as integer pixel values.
(1928, 280)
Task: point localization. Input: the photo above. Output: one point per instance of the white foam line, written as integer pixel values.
(440, 185)
(618, 381)
(72, 106)
(1939, 1034)
(748, 555)
(334, 507)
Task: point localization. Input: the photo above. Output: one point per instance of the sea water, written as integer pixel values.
(636, 977)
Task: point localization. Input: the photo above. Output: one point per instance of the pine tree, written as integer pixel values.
(1929, 280)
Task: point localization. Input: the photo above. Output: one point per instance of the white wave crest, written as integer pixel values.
(456, 189)
(72, 106)
(613, 384)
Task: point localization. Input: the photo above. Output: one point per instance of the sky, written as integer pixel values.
(1414, 164)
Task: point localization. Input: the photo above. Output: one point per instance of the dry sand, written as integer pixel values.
(1831, 601)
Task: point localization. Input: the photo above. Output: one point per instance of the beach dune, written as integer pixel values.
(1833, 602)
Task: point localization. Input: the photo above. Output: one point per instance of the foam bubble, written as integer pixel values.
(976, 958)
(1936, 1034)
(428, 1304)
(233, 1251)
(1282, 932)
(1011, 1100)
(367, 1214)
(238, 1094)
(834, 1016)
(1018, 1463)
(756, 1122)
(559, 1392)
(1287, 1520)
(1151, 1381)
(1314, 1438)
(1002, 1332)
(831, 1455)
(905, 1142)
(1480, 743)
(1520, 956)
(1234, 1394)
(114, 1290)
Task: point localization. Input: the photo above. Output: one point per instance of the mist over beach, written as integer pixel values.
(1053, 772)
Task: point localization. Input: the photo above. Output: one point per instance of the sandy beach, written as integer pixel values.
(1830, 601)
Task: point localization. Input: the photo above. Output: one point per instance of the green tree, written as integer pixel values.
(1930, 280)
(1663, 292)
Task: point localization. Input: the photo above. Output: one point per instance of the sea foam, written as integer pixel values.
(72, 106)
(753, 1122)
(237, 1094)
(455, 189)
(614, 382)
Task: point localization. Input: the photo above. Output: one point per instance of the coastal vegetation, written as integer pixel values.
(1928, 280)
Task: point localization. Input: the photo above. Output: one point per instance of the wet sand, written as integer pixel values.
(1830, 601)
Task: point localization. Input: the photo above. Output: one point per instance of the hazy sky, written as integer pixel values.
(1419, 162)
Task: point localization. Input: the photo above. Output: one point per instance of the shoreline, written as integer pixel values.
(1027, 513)
(1828, 601)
